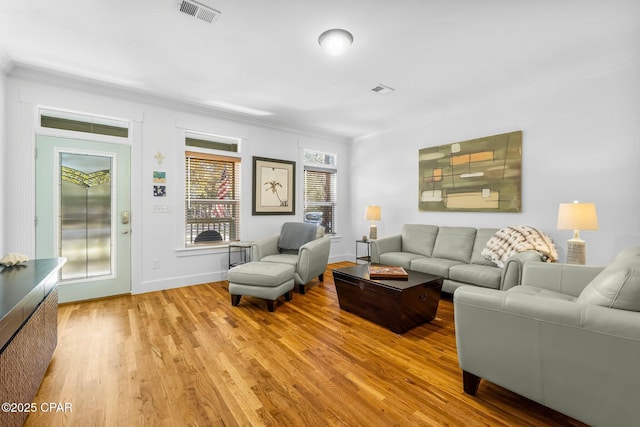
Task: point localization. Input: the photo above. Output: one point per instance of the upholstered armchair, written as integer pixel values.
(302, 245)
(568, 338)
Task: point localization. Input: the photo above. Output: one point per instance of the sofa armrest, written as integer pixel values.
(264, 247)
(385, 244)
(512, 271)
(568, 279)
(313, 258)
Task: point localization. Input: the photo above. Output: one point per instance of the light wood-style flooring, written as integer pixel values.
(186, 357)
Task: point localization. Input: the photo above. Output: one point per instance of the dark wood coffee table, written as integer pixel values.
(395, 304)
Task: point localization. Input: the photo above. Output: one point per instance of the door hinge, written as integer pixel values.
(35, 221)
(35, 153)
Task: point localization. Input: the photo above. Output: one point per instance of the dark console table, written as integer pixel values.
(28, 332)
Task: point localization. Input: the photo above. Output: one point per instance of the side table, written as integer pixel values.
(366, 258)
(240, 247)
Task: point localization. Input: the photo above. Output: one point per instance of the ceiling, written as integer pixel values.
(264, 55)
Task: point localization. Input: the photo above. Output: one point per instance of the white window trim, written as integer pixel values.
(181, 134)
(328, 168)
(64, 133)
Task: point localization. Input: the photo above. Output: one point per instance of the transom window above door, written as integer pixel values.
(79, 122)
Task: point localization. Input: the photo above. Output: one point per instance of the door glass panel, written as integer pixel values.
(85, 215)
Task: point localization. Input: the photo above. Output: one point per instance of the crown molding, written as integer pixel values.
(39, 74)
(6, 64)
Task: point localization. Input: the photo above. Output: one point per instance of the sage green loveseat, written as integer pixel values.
(568, 338)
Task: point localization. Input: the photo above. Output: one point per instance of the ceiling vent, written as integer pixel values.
(199, 11)
(382, 89)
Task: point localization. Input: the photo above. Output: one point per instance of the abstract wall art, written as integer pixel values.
(478, 175)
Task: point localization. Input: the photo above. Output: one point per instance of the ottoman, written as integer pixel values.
(268, 280)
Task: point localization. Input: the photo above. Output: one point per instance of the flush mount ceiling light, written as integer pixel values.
(335, 42)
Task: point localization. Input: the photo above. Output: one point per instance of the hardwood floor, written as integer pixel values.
(188, 357)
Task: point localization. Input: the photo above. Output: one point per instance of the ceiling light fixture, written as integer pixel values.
(335, 42)
(382, 89)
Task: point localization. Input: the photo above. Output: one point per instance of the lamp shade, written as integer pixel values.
(577, 216)
(372, 213)
(335, 42)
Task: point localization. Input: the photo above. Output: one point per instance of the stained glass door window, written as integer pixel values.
(85, 215)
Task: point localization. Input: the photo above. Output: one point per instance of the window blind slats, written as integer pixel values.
(83, 126)
(212, 145)
(320, 198)
(212, 199)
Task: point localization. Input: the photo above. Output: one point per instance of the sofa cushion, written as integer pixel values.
(419, 238)
(482, 237)
(617, 286)
(437, 266)
(401, 259)
(479, 275)
(540, 292)
(455, 243)
(291, 259)
(261, 274)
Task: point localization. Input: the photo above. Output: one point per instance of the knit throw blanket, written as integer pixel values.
(512, 240)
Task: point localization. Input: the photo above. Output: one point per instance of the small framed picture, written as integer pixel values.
(159, 190)
(159, 177)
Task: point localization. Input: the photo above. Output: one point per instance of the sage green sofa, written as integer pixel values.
(451, 252)
(568, 338)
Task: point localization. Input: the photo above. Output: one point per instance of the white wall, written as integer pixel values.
(581, 141)
(3, 141)
(157, 127)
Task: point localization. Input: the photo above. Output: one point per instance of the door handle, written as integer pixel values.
(125, 217)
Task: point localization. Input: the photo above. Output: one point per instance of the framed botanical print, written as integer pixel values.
(274, 186)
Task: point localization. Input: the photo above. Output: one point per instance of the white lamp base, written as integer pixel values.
(576, 251)
(373, 232)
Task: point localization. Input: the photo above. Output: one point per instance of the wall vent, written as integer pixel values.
(382, 89)
(200, 11)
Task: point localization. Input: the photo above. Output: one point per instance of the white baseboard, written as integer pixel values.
(342, 258)
(178, 282)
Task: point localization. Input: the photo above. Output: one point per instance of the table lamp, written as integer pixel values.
(577, 216)
(372, 213)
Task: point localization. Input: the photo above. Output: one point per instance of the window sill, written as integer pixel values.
(201, 250)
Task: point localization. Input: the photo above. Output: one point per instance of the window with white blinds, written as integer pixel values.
(320, 197)
(212, 199)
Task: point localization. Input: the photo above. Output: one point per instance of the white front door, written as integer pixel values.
(83, 214)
